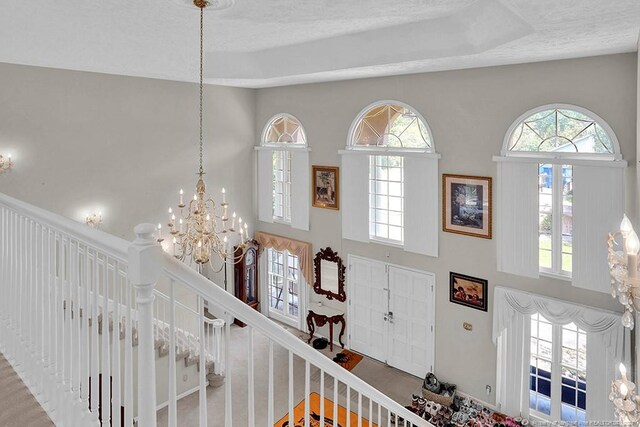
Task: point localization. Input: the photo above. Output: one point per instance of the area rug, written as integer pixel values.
(350, 358)
(314, 415)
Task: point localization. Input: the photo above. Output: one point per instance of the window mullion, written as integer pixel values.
(285, 282)
(556, 373)
(556, 234)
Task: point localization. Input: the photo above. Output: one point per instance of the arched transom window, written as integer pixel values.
(561, 129)
(284, 129)
(390, 124)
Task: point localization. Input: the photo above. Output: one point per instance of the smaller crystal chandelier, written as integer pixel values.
(624, 246)
(5, 163)
(200, 229)
(625, 399)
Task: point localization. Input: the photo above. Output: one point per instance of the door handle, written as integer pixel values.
(390, 316)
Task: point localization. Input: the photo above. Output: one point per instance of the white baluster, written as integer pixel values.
(307, 391)
(95, 355)
(370, 412)
(105, 356)
(145, 268)
(86, 352)
(228, 396)
(128, 359)
(291, 421)
(250, 375)
(203, 366)
(335, 401)
(348, 406)
(116, 399)
(270, 420)
(321, 397)
(359, 409)
(173, 400)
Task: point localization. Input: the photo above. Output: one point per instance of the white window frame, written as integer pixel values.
(285, 218)
(373, 194)
(558, 160)
(372, 151)
(285, 149)
(281, 316)
(557, 214)
(556, 373)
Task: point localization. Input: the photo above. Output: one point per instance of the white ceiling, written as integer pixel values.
(259, 43)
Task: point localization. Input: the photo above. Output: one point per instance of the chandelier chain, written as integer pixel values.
(201, 79)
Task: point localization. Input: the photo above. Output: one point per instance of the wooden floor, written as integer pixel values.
(18, 408)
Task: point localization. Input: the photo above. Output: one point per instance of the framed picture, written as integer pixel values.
(467, 290)
(326, 187)
(466, 205)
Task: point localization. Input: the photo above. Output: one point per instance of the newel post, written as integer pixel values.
(145, 268)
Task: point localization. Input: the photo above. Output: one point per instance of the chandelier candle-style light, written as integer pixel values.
(625, 399)
(200, 229)
(624, 246)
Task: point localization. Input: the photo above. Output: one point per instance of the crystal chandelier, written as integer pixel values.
(5, 163)
(625, 399)
(200, 229)
(624, 246)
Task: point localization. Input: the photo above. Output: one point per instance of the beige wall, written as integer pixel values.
(469, 112)
(120, 144)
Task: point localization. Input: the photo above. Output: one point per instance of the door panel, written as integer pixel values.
(369, 302)
(410, 339)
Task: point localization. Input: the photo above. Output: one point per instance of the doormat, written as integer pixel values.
(314, 415)
(347, 359)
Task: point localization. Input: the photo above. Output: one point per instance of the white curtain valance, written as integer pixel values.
(607, 345)
(508, 302)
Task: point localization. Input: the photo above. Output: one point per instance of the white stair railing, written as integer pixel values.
(67, 289)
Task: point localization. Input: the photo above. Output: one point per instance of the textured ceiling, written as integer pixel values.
(259, 43)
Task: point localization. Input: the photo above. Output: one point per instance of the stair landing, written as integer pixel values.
(18, 407)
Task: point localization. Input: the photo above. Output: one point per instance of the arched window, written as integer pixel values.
(390, 173)
(561, 130)
(574, 157)
(390, 124)
(284, 129)
(284, 143)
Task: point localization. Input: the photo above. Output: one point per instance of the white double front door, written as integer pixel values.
(391, 314)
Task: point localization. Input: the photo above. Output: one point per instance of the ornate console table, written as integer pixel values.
(321, 315)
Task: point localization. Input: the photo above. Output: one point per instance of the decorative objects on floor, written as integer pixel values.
(464, 412)
(94, 220)
(625, 399)
(326, 187)
(466, 205)
(202, 230)
(347, 359)
(5, 163)
(320, 343)
(468, 291)
(435, 391)
(314, 415)
(624, 246)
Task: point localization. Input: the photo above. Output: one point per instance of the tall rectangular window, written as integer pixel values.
(386, 198)
(282, 185)
(283, 275)
(555, 202)
(557, 371)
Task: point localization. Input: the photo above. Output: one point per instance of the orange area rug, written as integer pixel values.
(314, 415)
(351, 360)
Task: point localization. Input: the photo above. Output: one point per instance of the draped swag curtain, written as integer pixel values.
(517, 215)
(608, 343)
(296, 247)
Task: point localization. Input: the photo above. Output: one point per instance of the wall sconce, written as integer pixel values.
(5, 163)
(94, 220)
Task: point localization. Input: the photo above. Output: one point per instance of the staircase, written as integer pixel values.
(150, 330)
